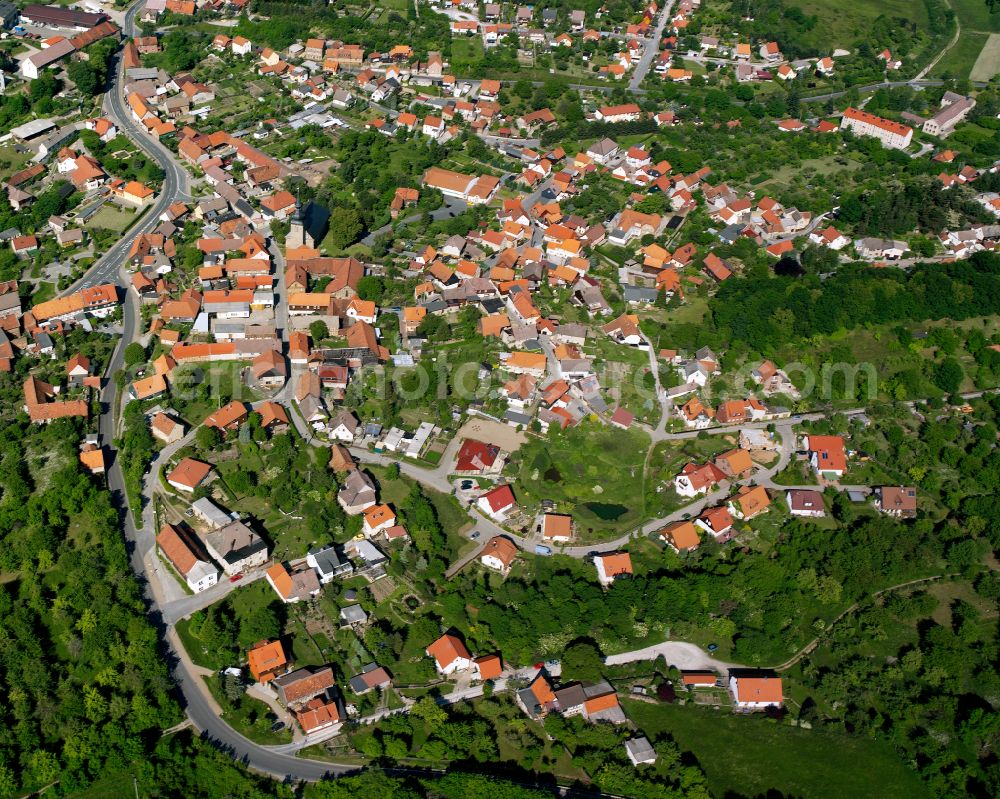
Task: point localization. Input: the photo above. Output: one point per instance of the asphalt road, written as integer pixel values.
(175, 183)
(874, 87)
(651, 48)
(139, 541)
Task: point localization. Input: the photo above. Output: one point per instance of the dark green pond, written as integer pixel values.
(606, 511)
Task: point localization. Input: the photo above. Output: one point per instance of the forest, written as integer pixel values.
(764, 312)
(86, 689)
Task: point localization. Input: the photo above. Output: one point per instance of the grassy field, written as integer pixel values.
(843, 22)
(11, 161)
(960, 59)
(783, 176)
(750, 756)
(44, 290)
(248, 716)
(988, 63)
(111, 217)
(590, 471)
(465, 51)
(975, 16)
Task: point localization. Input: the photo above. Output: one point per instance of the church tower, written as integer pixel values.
(297, 234)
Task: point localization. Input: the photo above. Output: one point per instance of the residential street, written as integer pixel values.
(175, 182)
(651, 47)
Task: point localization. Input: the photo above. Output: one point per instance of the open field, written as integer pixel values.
(762, 756)
(112, 217)
(958, 62)
(843, 22)
(988, 63)
(975, 16)
(465, 51)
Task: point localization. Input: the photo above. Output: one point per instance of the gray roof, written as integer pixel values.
(207, 509)
(328, 561)
(353, 614)
(235, 542)
(517, 418)
(571, 696)
(33, 128)
(640, 749)
(603, 147)
(640, 294)
(572, 331)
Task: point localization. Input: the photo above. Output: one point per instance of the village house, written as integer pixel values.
(556, 528)
(189, 474)
(357, 493)
(293, 585)
(377, 519)
(755, 692)
(827, 455)
(898, 501)
(450, 655)
(717, 522)
(805, 502)
(267, 660)
(694, 480)
(236, 548)
(184, 553)
(749, 502)
(611, 566)
(497, 503)
(681, 536)
(499, 554)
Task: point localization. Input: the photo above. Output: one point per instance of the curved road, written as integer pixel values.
(175, 182)
(139, 541)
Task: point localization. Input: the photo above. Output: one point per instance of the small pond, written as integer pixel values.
(606, 511)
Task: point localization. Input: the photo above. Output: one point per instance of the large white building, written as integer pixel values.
(893, 135)
(954, 108)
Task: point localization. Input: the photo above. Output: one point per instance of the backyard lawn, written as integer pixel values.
(198, 390)
(248, 716)
(11, 161)
(761, 756)
(465, 51)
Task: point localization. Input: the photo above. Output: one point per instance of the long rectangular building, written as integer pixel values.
(59, 17)
(98, 301)
(893, 135)
(474, 190)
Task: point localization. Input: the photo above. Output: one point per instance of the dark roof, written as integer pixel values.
(57, 16)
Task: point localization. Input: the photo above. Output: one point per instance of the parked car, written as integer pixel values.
(541, 549)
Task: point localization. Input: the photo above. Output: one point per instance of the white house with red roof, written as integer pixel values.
(827, 454)
(694, 480)
(829, 237)
(751, 692)
(611, 566)
(497, 503)
(450, 654)
(240, 45)
(893, 135)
